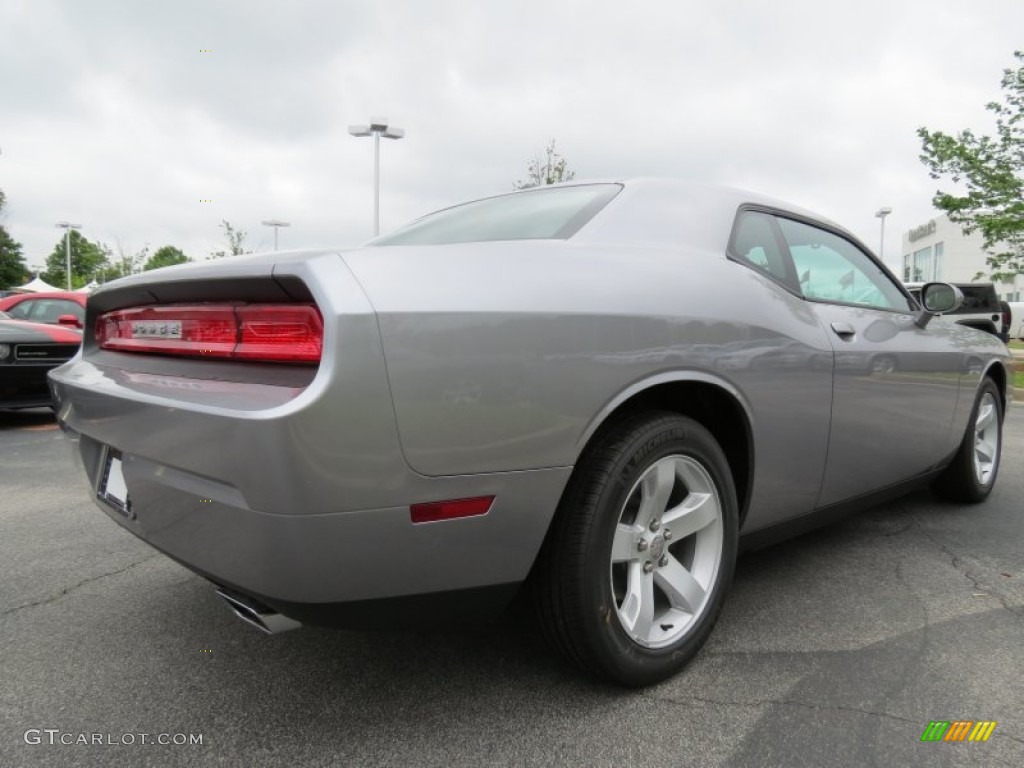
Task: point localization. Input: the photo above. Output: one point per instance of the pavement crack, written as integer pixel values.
(957, 561)
(978, 585)
(73, 587)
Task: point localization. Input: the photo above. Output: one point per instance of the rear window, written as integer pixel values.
(979, 298)
(536, 214)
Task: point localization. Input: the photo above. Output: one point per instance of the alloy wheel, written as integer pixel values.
(667, 550)
(986, 439)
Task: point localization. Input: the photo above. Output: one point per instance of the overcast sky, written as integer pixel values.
(113, 116)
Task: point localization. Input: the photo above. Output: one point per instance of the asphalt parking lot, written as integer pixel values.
(836, 648)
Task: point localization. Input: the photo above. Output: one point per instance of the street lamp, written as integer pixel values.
(378, 127)
(881, 213)
(67, 226)
(276, 224)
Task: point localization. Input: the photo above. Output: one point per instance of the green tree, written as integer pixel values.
(87, 260)
(165, 257)
(128, 262)
(550, 169)
(12, 264)
(236, 241)
(991, 171)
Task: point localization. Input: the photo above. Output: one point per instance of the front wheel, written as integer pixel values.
(972, 473)
(643, 550)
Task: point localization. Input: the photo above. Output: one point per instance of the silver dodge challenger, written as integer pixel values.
(590, 395)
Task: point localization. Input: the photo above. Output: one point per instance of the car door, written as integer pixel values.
(895, 384)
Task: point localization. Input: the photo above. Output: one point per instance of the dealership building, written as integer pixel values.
(939, 250)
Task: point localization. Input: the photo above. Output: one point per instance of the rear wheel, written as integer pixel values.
(972, 474)
(636, 570)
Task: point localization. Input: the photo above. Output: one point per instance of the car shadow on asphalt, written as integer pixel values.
(27, 418)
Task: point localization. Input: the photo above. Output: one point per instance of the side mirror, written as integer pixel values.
(938, 299)
(71, 320)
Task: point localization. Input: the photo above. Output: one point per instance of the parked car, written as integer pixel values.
(28, 351)
(524, 392)
(57, 307)
(981, 309)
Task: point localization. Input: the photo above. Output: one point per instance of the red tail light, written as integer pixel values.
(284, 333)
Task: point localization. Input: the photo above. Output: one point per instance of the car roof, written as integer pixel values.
(662, 212)
(18, 297)
(674, 212)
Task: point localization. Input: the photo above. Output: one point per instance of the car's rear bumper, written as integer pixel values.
(346, 556)
(290, 496)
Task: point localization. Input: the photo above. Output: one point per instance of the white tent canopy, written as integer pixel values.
(35, 285)
(89, 288)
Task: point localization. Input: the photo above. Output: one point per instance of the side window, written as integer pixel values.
(64, 307)
(754, 241)
(833, 269)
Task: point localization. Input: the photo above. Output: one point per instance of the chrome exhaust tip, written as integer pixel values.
(258, 615)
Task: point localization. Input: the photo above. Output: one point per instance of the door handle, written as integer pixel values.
(844, 331)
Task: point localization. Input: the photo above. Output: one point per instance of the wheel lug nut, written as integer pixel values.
(667, 534)
(642, 545)
(664, 561)
(655, 524)
(648, 566)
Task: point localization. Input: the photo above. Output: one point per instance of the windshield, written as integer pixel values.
(544, 213)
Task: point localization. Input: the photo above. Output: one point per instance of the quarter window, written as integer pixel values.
(754, 241)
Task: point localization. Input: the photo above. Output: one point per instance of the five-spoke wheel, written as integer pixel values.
(972, 473)
(666, 551)
(642, 549)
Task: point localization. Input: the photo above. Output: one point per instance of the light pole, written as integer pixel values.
(276, 224)
(67, 226)
(378, 127)
(881, 213)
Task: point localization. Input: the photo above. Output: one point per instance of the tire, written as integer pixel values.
(622, 593)
(972, 473)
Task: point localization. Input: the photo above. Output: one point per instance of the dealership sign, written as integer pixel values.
(923, 231)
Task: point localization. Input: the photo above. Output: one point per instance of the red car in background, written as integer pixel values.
(54, 307)
(28, 351)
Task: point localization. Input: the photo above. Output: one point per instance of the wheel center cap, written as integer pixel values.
(657, 547)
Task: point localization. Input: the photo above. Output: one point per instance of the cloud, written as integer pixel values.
(120, 118)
